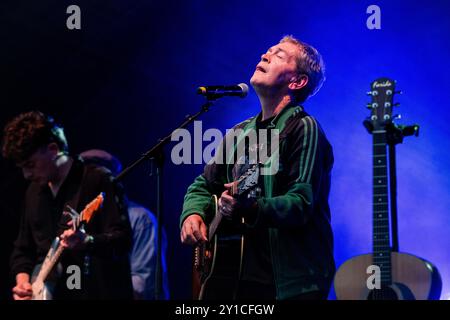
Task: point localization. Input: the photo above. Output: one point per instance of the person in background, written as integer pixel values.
(144, 229)
(38, 146)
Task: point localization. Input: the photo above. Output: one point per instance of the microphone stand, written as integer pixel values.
(157, 152)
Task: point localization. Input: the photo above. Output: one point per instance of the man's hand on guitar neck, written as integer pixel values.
(193, 230)
(73, 239)
(22, 290)
(229, 205)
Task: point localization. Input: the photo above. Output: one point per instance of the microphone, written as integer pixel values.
(214, 92)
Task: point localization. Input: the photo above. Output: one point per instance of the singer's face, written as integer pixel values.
(277, 68)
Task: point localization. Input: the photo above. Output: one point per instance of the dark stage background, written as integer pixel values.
(131, 72)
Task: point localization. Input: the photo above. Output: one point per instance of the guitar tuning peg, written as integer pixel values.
(369, 106)
(397, 116)
(369, 93)
(396, 104)
(398, 92)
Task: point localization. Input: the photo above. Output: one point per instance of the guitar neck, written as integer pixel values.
(50, 260)
(381, 235)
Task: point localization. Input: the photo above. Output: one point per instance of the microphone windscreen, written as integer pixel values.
(244, 88)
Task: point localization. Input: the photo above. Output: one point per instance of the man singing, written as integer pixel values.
(288, 246)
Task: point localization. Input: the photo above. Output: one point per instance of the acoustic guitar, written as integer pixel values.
(401, 276)
(217, 264)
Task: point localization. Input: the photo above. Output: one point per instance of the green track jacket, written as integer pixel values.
(294, 206)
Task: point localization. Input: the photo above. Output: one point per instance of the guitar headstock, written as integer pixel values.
(91, 207)
(382, 104)
(247, 182)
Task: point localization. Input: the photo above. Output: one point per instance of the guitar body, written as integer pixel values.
(218, 263)
(412, 279)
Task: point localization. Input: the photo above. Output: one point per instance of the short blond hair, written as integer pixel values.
(309, 63)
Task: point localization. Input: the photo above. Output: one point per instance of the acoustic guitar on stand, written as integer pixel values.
(402, 276)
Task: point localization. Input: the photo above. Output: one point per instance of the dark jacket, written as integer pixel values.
(104, 264)
(294, 206)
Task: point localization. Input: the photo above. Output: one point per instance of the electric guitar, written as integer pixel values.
(44, 275)
(217, 263)
(401, 276)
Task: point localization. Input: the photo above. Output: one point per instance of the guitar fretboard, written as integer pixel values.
(381, 237)
(51, 259)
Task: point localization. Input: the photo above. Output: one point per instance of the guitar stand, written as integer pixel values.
(395, 135)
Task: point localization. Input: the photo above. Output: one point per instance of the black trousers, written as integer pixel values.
(249, 290)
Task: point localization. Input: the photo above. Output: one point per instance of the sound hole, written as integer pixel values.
(385, 293)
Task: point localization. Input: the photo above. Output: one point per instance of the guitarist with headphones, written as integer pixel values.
(60, 182)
